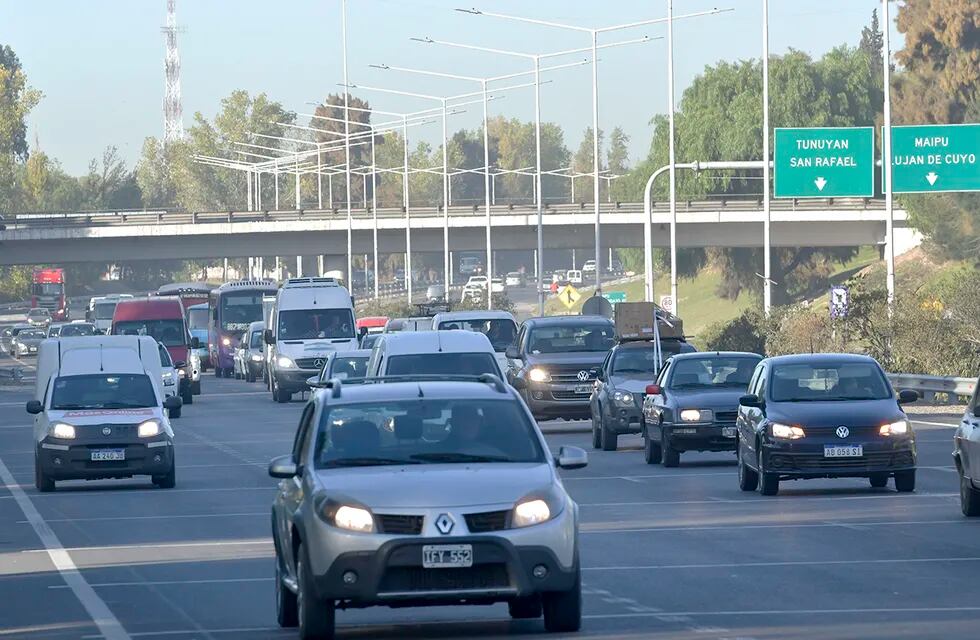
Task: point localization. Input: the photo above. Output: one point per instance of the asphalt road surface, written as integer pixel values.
(667, 553)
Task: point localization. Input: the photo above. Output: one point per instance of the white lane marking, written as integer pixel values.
(567, 478)
(13, 404)
(166, 517)
(748, 501)
(787, 563)
(167, 545)
(290, 633)
(935, 424)
(596, 531)
(108, 625)
(119, 491)
(157, 583)
(788, 612)
(947, 469)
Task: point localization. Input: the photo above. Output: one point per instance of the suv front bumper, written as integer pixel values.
(558, 400)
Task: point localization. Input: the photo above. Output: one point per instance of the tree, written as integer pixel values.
(582, 162)
(617, 158)
(36, 178)
(16, 101)
(872, 43)
(154, 175)
(109, 185)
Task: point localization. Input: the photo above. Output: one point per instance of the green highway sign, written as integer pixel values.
(824, 162)
(935, 158)
(615, 297)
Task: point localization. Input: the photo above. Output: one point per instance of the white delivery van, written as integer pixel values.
(498, 326)
(437, 353)
(311, 318)
(100, 411)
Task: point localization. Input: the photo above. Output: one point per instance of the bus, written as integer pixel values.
(48, 292)
(190, 293)
(232, 307)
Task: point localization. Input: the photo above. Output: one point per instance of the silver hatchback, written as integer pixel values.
(423, 491)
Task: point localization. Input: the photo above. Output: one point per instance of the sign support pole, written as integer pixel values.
(767, 222)
(886, 161)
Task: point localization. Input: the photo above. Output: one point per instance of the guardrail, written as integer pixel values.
(935, 389)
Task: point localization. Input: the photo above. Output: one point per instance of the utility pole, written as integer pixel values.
(173, 112)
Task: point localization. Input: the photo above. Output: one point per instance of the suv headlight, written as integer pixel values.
(623, 398)
(697, 415)
(537, 374)
(148, 429)
(284, 362)
(63, 431)
(786, 432)
(899, 428)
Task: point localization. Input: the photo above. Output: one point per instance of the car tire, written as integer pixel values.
(287, 612)
(671, 456)
(174, 413)
(278, 394)
(651, 451)
(748, 478)
(525, 608)
(217, 372)
(42, 481)
(196, 388)
(768, 482)
(596, 435)
(969, 498)
(563, 609)
(905, 481)
(249, 376)
(878, 480)
(169, 480)
(315, 617)
(609, 439)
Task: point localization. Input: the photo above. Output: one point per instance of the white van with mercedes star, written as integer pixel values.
(311, 318)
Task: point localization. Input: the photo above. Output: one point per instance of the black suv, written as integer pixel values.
(554, 362)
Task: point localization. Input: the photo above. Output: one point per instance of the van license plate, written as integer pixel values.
(838, 451)
(447, 556)
(108, 455)
(583, 388)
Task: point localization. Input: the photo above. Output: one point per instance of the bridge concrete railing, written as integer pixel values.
(935, 389)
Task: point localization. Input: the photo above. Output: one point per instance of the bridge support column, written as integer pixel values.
(319, 265)
(299, 266)
(535, 263)
(448, 277)
(224, 271)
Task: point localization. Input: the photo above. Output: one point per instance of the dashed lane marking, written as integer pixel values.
(586, 529)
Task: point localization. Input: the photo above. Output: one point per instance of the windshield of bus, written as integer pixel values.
(570, 338)
(48, 288)
(240, 309)
(712, 371)
(307, 324)
(104, 310)
(425, 432)
(197, 319)
(169, 332)
(828, 381)
(101, 391)
(500, 331)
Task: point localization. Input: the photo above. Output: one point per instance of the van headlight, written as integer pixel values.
(149, 429)
(538, 374)
(63, 431)
(284, 362)
(899, 428)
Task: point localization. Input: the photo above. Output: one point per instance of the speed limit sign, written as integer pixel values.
(667, 303)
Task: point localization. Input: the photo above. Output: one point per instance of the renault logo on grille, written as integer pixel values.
(583, 376)
(445, 523)
(843, 432)
(106, 431)
(318, 363)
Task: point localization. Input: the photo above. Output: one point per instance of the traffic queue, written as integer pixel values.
(420, 474)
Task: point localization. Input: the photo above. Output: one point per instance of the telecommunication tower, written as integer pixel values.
(173, 112)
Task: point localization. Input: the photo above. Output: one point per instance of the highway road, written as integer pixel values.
(667, 553)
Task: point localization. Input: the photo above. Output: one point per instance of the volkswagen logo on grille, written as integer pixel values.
(106, 431)
(843, 432)
(318, 363)
(445, 524)
(583, 376)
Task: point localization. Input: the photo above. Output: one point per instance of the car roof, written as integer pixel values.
(254, 326)
(38, 310)
(698, 355)
(412, 390)
(821, 358)
(452, 341)
(550, 321)
(353, 353)
(472, 315)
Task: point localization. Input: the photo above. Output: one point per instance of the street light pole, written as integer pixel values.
(539, 254)
(445, 197)
(486, 192)
(886, 161)
(595, 164)
(374, 211)
(672, 160)
(766, 213)
(350, 216)
(408, 222)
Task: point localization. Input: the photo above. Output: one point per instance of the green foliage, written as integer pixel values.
(746, 332)
(15, 283)
(500, 303)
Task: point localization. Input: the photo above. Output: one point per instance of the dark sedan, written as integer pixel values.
(823, 416)
(694, 403)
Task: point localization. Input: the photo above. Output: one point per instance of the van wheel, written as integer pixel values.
(196, 388)
(217, 372)
(249, 376)
(168, 481)
(43, 483)
(969, 498)
(878, 480)
(525, 608)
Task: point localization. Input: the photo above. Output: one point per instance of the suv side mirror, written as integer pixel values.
(907, 396)
(282, 467)
(195, 343)
(750, 400)
(172, 403)
(34, 407)
(572, 458)
(268, 336)
(512, 353)
(653, 390)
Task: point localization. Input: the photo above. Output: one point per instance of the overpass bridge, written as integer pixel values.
(33, 238)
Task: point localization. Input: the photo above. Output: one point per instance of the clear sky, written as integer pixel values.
(99, 63)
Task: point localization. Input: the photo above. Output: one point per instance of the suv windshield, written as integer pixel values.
(169, 332)
(712, 371)
(500, 331)
(569, 337)
(305, 324)
(828, 381)
(101, 391)
(467, 364)
(423, 431)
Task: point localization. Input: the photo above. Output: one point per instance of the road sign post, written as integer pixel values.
(824, 162)
(936, 158)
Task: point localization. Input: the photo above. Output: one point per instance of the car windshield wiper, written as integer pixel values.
(457, 457)
(632, 371)
(367, 462)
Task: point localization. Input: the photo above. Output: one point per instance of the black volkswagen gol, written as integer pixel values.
(823, 416)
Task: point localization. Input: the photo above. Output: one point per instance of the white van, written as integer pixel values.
(100, 411)
(102, 309)
(574, 276)
(433, 353)
(498, 326)
(310, 318)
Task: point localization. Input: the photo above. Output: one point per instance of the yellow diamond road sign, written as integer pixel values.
(569, 295)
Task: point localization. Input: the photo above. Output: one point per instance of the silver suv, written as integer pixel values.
(423, 491)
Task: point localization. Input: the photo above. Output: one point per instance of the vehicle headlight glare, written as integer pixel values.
(696, 415)
(899, 428)
(531, 512)
(284, 362)
(168, 379)
(623, 398)
(256, 358)
(63, 431)
(354, 519)
(538, 375)
(148, 429)
(786, 432)
(226, 342)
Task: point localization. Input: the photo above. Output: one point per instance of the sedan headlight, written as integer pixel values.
(63, 431)
(226, 342)
(168, 378)
(352, 518)
(531, 512)
(899, 428)
(284, 362)
(538, 375)
(623, 398)
(149, 429)
(786, 432)
(697, 415)
(256, 358)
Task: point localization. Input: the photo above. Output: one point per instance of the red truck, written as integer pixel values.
(48, 292)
